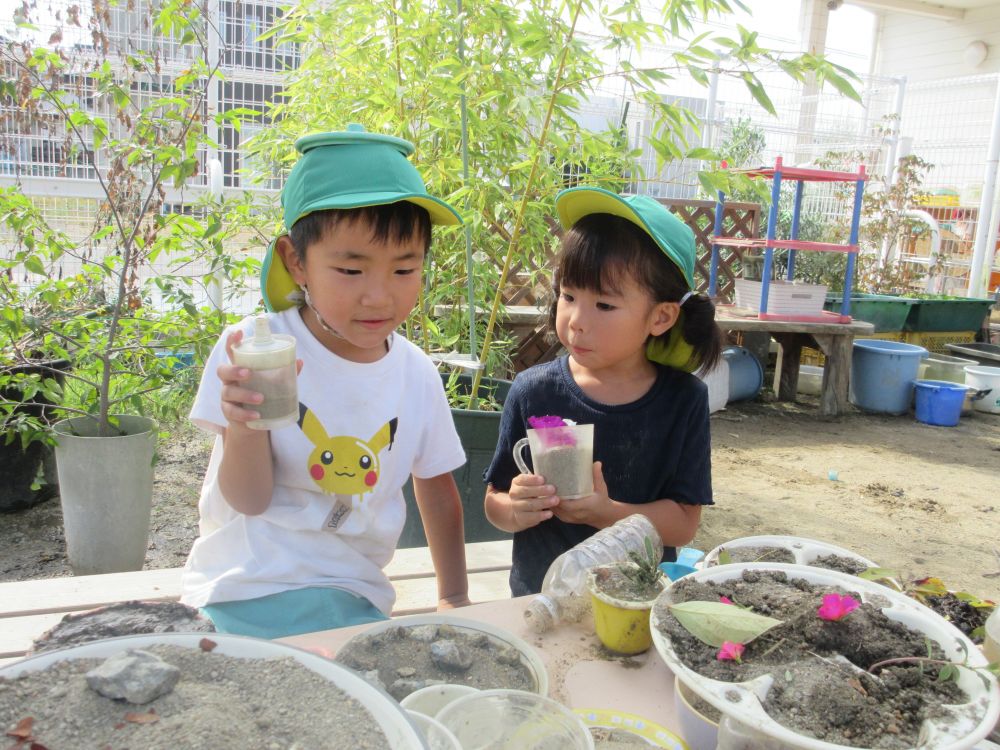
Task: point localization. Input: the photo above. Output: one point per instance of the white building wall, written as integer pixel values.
(927, 49)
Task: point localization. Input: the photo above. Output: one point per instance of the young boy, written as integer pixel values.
(298, 522)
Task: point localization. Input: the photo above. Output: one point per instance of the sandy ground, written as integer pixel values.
(921, 500)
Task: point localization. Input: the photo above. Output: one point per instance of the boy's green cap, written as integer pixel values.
(345, 169)
(672, 235)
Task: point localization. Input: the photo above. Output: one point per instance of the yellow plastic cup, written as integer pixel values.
(622, 626)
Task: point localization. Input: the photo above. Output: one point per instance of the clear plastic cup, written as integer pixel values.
(432, 699)
(514, 720)
(437, 735)
(563, 455)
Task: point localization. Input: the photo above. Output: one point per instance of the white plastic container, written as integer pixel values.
(804, 550)
(957, 727)
(271, 361)
(717, 381)
(810, 379)
(985, 378)
(529, 656)
(391, 718)
(991, 643)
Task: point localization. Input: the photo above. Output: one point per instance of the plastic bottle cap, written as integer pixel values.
(262, 340)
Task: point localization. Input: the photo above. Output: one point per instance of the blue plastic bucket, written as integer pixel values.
(882, 375)
(939, 402)
(746, 376)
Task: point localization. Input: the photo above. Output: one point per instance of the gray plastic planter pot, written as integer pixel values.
(478, 431)
(106, 489)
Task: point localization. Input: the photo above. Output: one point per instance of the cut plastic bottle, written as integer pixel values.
(563, 596)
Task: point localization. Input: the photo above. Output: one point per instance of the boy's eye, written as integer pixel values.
(405, 271)
(566, 296)
(348, 271)
(605, 306)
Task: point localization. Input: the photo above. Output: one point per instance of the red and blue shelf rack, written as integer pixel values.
(800, 176)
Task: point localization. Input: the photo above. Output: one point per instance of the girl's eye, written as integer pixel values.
(605, 306)
(348, 271)
(405, 271)
(566, 296)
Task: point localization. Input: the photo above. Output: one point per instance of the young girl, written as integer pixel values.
(634, 331)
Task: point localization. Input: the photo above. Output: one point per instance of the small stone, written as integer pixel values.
(134, 675)
(424, 633)
(406, 672)
(508, 655)
(447, 655)
(892, 729)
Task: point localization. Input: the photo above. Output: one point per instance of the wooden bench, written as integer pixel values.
(29, 608)
(836, 340)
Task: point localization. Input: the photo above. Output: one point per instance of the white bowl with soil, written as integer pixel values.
(233, 692)
(406, 654)
(806, 683)
(791, 550)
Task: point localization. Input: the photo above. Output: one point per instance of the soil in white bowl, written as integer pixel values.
(821, 686)
(220, 702)
(403, 659)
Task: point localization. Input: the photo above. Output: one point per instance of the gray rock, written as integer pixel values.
(134, 675)
(449, 656)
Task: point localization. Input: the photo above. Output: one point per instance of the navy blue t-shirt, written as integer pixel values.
(654, 448)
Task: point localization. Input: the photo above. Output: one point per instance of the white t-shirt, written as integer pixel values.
(328, 524)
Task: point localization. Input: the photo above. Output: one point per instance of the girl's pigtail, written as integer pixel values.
(701, 331)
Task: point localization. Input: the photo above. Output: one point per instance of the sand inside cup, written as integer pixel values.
(567, 467)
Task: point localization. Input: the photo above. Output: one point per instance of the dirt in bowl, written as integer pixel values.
(624, 582)
(850, 565)
(220, 702)
(126, 618)
(961, 613)
(821, 685)
(757, 554)
(403, 658)
(618, 739)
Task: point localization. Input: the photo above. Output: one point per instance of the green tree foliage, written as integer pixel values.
(525, 71)
(126, 115)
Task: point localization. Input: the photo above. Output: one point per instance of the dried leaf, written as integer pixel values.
(207, 644)
(148, 718)
(23, 729)
(714, 623)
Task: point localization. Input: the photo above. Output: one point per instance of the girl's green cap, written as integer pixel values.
(672, 235)
(345, 169)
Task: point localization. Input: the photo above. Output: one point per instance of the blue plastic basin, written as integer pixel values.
(939, 402)
(882, 375)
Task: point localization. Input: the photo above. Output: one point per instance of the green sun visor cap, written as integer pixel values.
(345, 169)
(671, 234)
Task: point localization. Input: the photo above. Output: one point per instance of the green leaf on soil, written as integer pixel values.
(714, 623)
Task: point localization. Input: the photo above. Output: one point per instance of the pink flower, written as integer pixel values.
(725, 600)
(837, 607)
(540, 423)
(730, 652)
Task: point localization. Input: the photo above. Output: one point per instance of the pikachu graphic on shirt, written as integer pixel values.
(343, 465)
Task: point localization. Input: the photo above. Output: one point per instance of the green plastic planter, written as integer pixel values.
(479, 432)
(948, 314)
(886, 313)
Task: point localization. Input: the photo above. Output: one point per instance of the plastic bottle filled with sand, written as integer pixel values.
(271, 361)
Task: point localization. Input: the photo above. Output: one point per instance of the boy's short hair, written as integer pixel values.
(350, 169)
(395, 222)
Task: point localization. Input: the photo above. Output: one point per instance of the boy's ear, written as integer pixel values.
(665, 314)
(286, 251)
